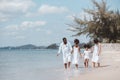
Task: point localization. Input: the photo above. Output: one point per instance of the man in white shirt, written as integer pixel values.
(66, 48)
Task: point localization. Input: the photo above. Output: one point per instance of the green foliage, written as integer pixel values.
(104, 23)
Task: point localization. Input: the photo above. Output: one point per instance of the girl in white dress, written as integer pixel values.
(96, 53)
(86, 55)
(76, 53)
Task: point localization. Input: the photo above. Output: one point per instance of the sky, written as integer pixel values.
(41, 22)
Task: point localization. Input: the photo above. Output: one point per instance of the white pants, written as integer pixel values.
(66, 59)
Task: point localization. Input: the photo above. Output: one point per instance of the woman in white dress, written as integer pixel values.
(96, 53)
(76, 53)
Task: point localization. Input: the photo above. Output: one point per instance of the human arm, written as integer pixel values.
(60, 49)
(99, 46)
(72, 51)
(83, 53)
(92, 49)
(79, 52)
(71, 48)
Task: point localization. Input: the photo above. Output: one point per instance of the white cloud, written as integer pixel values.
(12, 27)
(15, 5)
(30, 24)
(47, 9)
(25, 25)
(81, 15)
(13, 8)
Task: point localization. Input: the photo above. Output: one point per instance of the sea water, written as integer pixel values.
(40, 64)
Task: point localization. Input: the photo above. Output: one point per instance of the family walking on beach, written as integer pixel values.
(72, 54)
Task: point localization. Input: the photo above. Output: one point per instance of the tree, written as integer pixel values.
(103, 24)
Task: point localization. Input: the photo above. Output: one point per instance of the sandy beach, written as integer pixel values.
(109, 70)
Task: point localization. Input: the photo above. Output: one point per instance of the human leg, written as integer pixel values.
(69, 63)
(87, 63)
(84, 63)
(93, 64)
(98, 64)
(76, 66)
(65, 65)
(65, 62)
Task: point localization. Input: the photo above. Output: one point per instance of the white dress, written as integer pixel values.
(95, 57)
(76, 55)
(86, 54)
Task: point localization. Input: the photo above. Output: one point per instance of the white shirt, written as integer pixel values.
(65, 48)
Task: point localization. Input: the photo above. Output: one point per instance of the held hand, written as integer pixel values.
(57, 54)
(72, 52)
(98, 54)
(80, 55)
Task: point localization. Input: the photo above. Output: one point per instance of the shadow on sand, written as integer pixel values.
(104, 65)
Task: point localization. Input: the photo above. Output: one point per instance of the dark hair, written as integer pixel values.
(76, 41)
(86, 46)
(64, 38)
(96, 41)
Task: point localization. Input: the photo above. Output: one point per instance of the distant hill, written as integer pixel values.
(53, 46)
(30, 46)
